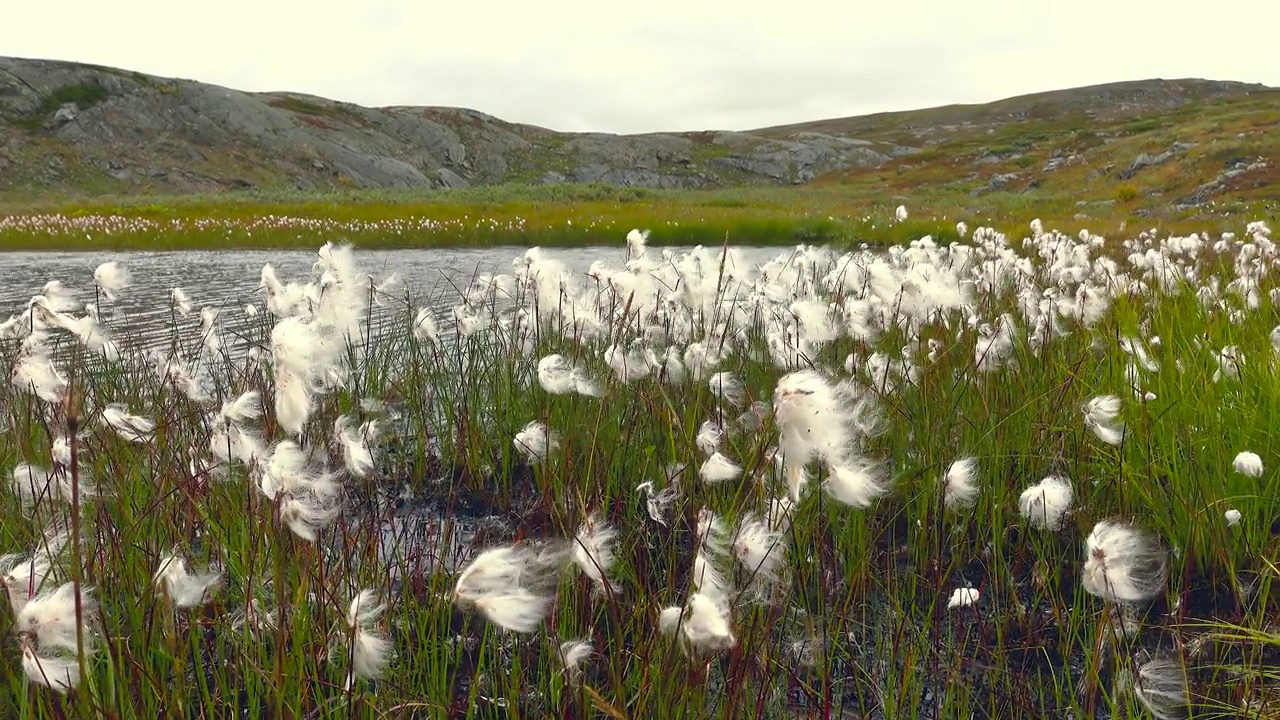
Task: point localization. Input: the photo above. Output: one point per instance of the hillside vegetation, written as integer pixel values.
(1179, 154)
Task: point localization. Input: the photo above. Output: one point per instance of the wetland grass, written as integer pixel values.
(991, 478)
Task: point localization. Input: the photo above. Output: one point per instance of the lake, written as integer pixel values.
(230, 279)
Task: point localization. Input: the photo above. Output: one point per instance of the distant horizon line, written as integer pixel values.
(836, 118)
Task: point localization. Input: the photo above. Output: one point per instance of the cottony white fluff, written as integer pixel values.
(727, 387)
(112, 278)
(36, 373)
(558, 376)
(1046, 504)
(1123, 563)
(307, 513)
(184, 588)
(1248, 464)
(759, 547)
(593, 551)
(24, 576)
(960, 488)
(512, 586)
(1160, 684)
(704, 624)
(50, 618)
(367, 651)
(636, 241)
(1100, 417)
(33, 484)
(60, 452)
(355, 444)
(181, 302)
(656, 503)
(134, 428)
(247, 406)
(425, 327)
(61, 673)
(719, 468)
(963, 597)
(821, 420)
(857, 483)
(536, 442)
(572, 654)
(710, 435)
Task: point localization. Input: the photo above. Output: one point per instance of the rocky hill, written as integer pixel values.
(83, 129)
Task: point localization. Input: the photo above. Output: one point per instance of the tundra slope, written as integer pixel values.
(82, 129)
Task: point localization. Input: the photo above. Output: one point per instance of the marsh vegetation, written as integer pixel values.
(986, 477)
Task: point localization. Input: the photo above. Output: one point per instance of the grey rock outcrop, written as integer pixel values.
(221, 137)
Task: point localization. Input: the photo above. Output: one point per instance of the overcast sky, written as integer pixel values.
(656, 64)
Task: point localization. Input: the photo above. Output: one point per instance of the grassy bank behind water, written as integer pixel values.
(561, 216)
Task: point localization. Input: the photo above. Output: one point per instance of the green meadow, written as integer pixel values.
(934, 595)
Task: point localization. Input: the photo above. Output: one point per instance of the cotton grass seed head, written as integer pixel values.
(1248, 464)
(960, 484)
(963, 597)
(1046, 504)
(1123, 563)
(1160, 684)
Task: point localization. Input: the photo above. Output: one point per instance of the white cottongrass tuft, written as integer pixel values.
(112, 278)
(61, 673)
(1160, 684)
(719, 468)
(368, 652)
(60, 452)
(759, 547)
(425, 327)
(703, 624)
(713, 546)
(573, 653)
(309, 499)
(1100, 417)
(1047, 503)
(513, 586)
(47, 633)
(245, 407)
(1123, 563)
(1248, 464)
(963, 597)
(822, 420)
(184, 588)
(134, 428)
(1232, 516)
(636, 241)
(960, 484)
(35, 372)
(33, 484)
(24, 576)
(656, 503)
(558, 376)
(593, 551)
(355, 444)
(181, 302)
(856, 483)
(710, 436)
(727, 387)
(536, 442)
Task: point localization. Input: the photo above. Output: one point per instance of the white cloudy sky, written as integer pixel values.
(656, 64)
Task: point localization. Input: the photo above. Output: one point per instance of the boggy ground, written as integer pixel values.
(838, 450)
